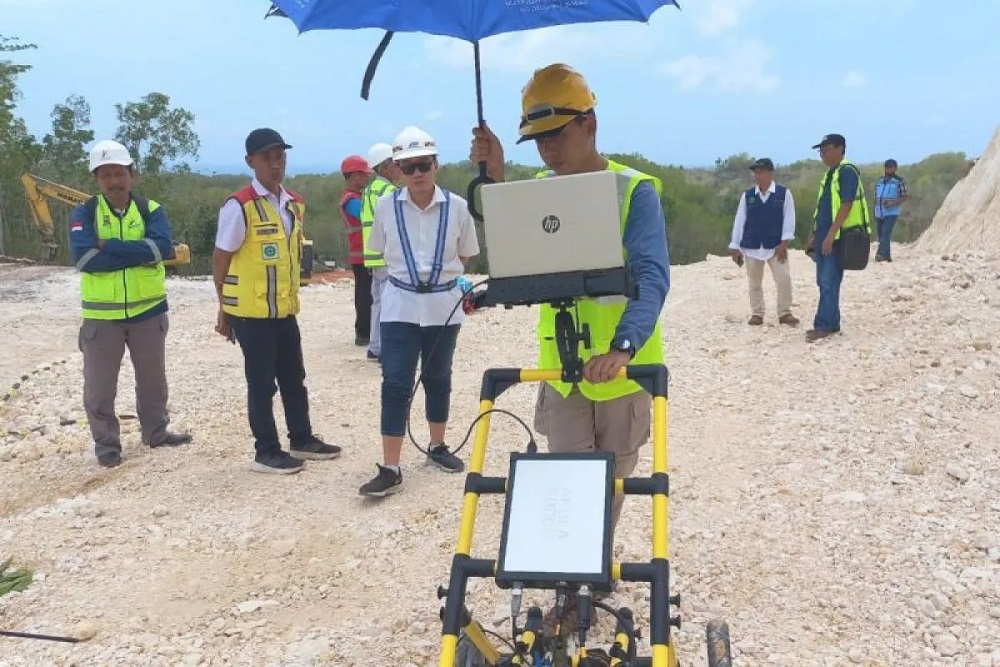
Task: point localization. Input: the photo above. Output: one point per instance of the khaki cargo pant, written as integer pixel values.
(103, 344)
(576, 424)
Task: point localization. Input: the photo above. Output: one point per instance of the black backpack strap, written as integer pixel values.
(142, 204)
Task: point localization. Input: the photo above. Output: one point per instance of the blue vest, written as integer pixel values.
(887, 188)
(764, 219)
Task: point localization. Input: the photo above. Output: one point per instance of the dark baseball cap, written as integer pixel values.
(832, 140)
(891, 163)
(263, 138)
(762, 163)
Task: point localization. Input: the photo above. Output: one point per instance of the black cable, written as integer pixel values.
(628, 625)
(505, 641)
(416, 385)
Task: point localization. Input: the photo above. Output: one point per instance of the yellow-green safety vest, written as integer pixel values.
(602, 313)
(372, 193)
(859, 212)
(116, 295)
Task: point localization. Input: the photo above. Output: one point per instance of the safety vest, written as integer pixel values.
(263, 278)
(116, 295)
(859, 212)
(437, 261)
(352, 225)
(602, 314)
(373, 191)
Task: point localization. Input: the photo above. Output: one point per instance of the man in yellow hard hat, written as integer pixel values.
(602, 412)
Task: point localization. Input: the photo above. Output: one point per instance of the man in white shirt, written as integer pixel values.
(764, 224)
(427, 236)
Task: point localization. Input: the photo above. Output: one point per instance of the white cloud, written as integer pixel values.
(855, 79)
(743, 66)
(716, 17)
(524, 52)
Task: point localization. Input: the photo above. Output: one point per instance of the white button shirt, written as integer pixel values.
(431, 309)
(233, 228)
(787, 229)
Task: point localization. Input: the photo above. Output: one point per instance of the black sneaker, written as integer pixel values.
(444, 459)
(171, 439)
(110, 459)
(278, 463)
(362, 341)
(373, 357)
(315, 449)
(385, 483)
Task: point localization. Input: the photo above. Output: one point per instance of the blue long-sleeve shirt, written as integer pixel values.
(116, 253)
(649, 259)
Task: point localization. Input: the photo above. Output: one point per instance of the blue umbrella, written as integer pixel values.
(469, 20)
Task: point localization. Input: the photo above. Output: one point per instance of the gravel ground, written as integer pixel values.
(838, 502)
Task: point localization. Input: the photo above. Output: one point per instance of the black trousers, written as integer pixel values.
(272, 356)
(362, 301)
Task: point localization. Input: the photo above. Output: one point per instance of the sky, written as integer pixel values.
(901, 79)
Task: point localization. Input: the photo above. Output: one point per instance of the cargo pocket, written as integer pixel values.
(640, 425)
(88, 331)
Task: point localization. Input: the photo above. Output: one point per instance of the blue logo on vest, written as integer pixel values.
(269, 251)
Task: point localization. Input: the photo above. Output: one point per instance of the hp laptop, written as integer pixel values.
(551, 238)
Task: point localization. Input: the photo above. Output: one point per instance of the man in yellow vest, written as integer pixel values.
(386, 178)
(118, 242)
(258, 254)
(840, 204)
(603, 412)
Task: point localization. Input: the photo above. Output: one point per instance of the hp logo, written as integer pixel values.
(550, 224)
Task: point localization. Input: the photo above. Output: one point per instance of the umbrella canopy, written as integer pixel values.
(469, 20)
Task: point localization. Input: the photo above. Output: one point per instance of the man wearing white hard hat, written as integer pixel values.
(427, 236)
(118, 242)
(385, 178)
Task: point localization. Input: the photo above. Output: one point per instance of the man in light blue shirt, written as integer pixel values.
(890, 193)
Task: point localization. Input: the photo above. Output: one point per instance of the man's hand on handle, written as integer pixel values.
(486, 147)
(605, 367)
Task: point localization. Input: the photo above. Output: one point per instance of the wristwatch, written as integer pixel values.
(623, 345)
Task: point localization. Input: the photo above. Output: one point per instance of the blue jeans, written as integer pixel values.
(885, 226)
(829, 275)
(403, 345)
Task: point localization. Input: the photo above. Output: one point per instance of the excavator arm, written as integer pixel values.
(39, 190)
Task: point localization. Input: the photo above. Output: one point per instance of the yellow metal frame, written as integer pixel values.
(663, 654)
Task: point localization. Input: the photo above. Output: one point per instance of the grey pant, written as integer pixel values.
(380, 276)
(103, 344)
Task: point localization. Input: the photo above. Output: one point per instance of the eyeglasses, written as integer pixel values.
(412, 167)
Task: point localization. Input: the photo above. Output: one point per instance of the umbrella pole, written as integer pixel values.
(483, 177)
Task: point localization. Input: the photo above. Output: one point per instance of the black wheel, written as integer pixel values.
(717, 637)
(467, 655)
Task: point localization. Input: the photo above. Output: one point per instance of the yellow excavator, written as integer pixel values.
(39, 190)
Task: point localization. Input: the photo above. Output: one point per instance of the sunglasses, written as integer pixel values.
(411, 168)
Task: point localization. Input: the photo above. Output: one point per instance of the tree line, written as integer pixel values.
(699, 203)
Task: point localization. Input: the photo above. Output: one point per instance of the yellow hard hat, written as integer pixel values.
(554, 96)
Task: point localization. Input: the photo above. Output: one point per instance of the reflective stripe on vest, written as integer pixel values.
(859, 212)
(437, 262)
(602, 314)
(117, 295)
(263, 278)
(373, 192)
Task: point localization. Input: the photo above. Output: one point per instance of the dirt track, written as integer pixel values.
(836, 502)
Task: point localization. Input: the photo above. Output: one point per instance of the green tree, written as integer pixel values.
(64, 158)
(155, 133)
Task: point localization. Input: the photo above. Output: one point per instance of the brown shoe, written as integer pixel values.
(755, 320)
(788, 319)
(816, 334)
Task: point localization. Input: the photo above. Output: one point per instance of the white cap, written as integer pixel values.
(378, 154)
(109, 152)
(413, 142)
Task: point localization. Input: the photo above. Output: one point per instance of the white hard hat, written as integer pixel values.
(109, 152)
(413, 142)
(378, 154)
